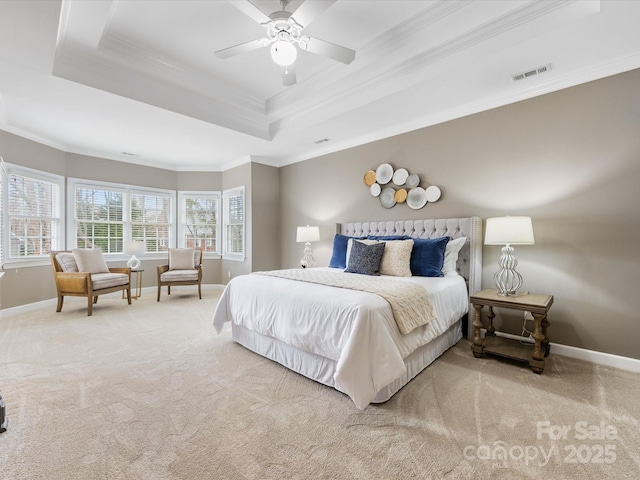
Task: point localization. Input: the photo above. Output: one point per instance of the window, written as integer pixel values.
(233, 247)
(107, 214)
(99, 218)
(200, 221)
(151, 220)
(32, 214)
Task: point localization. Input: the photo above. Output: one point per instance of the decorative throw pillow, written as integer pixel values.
(90, 260)
(181, 259)
(339, 255)
(427, 257)
(365, 259)
(451, 256)
(67, 262)
(350, 243)
(396, 258)
(388, 237)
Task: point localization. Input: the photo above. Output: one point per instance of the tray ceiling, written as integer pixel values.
(138, 81)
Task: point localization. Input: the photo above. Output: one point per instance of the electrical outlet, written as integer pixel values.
(229, 274)
(528, 316)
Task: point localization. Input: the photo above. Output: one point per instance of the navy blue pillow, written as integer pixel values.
(339, 255)
(365, 259)
(427, 256)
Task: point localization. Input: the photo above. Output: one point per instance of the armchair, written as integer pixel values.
(72, 281)
(184, 268)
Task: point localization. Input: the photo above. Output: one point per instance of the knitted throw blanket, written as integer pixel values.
(411, 304)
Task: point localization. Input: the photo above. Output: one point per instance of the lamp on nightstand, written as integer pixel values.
(307, 234)
(133, 248)
(508, 231)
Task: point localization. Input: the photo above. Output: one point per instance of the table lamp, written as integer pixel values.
(133, 248)
(307, 234)
(508, 231)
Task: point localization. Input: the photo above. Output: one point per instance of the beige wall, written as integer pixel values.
(265, 218)
(570, 160)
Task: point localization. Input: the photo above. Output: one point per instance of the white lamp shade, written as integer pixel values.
(133, 247)
(283, 53)
(509, 230)
(308, 234)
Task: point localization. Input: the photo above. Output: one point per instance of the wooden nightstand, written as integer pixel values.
(537, 304)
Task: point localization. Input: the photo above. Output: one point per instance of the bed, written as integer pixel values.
(350, 339)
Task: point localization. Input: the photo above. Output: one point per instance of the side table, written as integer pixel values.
(537, 304)
(136, 284)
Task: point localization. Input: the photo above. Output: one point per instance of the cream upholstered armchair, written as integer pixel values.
(84, 273)
(184, 268)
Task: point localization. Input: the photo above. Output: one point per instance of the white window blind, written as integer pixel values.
(32, 214)
(234, 228)
(200, 221)
(99, 218)
(151, 220)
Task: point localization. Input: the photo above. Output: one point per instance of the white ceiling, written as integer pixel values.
(104, 77)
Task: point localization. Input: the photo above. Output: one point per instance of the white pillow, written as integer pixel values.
(181, 259)
(90, 260)
(451, 256)
(350, 242)
(396, 259)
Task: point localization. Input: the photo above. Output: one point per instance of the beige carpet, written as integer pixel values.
(149, 391)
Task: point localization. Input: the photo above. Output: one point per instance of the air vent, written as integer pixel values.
(531, 73)
(324, 140)
(129, 154)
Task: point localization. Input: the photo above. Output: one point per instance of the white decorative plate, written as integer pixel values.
(416, 198)
(400, 176)
(375, 189)
(387, 197)
(413, 181)
(384, 173)
(432, 193)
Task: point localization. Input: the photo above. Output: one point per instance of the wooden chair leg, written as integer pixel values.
(129, 294)
(168, 289)
(199, 292)
(95, 299)
(89, 306)
(60, 301)
(159, 290)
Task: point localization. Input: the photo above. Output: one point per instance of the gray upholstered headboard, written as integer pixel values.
(469, 259)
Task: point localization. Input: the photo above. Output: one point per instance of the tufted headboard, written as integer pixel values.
(470, 257)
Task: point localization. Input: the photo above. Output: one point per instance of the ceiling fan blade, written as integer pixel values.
(330, 50)
(240, 48)
(249, 9)
(288, 75)
(309, 10)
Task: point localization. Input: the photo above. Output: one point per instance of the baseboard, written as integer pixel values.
(599, 358)
(8, 312)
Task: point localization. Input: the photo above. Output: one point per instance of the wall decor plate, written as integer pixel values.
(413, 181)
(375, 189)
(416, 198)
(400, 176)
(387, 197)
(384, 174)
(432, 193)
(400, 195)
(369, 178)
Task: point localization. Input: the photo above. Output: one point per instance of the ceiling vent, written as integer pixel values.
(324, 140)
(531, 73)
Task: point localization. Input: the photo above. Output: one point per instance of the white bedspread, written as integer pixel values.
(355, 329)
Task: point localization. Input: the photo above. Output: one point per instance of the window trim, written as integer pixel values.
(226, 194)
(182, 196)
(127, 189)
(58, 241)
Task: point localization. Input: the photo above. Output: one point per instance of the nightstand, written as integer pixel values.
(533, 354)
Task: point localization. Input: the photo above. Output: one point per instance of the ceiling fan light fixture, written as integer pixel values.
(283, 52)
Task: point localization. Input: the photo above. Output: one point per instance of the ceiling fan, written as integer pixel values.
(284, 31)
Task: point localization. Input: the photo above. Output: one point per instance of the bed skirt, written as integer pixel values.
(322, 369)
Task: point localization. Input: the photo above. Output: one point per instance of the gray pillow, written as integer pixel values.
(365, 259)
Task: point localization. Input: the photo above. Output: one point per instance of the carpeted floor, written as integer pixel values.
(149, 391)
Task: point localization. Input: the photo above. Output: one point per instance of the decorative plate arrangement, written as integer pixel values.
(408, 187)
